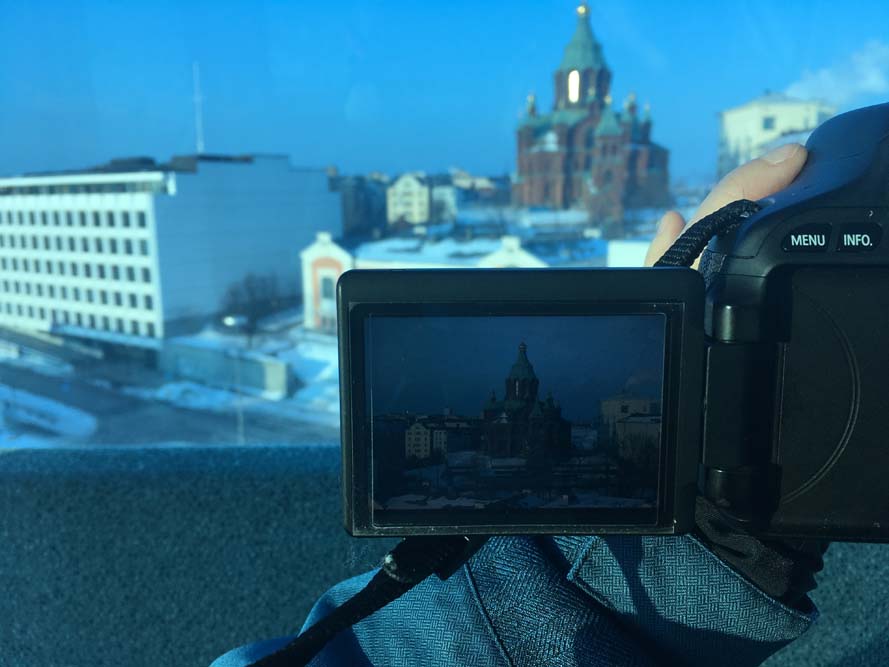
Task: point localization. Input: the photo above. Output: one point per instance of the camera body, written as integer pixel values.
(603, 400)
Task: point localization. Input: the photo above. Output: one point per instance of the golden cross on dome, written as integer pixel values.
(582, 9)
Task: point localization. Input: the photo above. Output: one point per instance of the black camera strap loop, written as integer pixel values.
(409, 563)
(688, 247)
(784, 569)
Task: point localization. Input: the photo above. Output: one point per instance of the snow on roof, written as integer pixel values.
(560, 252)
(554, 251)
(524, 217)
(776, 99)
(210, 339)
(627, 396)
(427, 251)
(641, 419)
(461, 458)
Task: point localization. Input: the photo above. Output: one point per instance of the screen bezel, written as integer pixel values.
(675, 293)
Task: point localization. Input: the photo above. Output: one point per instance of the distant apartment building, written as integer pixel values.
(619, 408)
(408, 199)
(363, 204)
(136, 251)
(422, 441)
(482, 190)
(417, 199)
(750, 130)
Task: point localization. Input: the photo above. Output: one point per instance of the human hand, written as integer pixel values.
(754, 180)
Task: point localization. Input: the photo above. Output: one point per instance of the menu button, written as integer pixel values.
(807, 238)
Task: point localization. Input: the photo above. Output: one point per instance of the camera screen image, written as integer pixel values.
(517, 418)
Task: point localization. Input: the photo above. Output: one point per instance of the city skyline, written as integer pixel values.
(441, 351)
(364, 88)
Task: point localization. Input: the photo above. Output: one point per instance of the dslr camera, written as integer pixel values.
(603, 401)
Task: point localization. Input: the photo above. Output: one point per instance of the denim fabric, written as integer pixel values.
(565, 602)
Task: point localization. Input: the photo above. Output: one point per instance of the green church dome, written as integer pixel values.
(583, 51)
(522, 368)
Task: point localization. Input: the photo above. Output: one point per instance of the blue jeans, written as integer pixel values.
(565, 601)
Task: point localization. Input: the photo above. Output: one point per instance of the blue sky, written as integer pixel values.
(455, 362)
(399, 85)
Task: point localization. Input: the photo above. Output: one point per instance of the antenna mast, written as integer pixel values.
(198, 108)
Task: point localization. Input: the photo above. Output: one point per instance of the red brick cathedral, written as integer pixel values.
(584, 153)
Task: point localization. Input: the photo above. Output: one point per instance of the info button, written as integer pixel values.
(807, 238)
(859, 238)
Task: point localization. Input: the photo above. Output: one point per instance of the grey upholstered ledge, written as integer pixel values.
(165, 557)
(169, 557)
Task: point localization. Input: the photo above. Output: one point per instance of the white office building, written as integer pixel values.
(135, 251)
(751, 129)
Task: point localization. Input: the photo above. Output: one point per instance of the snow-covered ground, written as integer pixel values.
(311, 356)
(12, 440)
(60, 423)
(32, 360)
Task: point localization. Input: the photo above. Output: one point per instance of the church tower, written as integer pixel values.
(584, 154)
(583, 78)
(522, 382)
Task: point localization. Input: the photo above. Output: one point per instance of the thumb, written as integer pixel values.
(754, 180)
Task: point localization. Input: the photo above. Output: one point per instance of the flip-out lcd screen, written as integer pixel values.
(501, 419)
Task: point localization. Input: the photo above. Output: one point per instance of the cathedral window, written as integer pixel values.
(573, 86)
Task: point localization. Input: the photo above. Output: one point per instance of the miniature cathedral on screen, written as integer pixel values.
(521, 425)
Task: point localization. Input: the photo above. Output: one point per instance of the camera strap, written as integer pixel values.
(688, 247)
(783, 569)
(409, 563)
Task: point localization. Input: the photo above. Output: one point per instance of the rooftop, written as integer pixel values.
(418, 250)
(773, 98)
(119, 170)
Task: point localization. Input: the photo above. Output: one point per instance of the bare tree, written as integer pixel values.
(250, 300)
